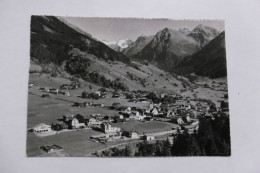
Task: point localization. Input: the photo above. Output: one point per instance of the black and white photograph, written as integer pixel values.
(127, 87)
(112, 86)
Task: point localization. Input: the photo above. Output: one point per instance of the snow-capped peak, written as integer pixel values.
(123, 43)
(119, 45)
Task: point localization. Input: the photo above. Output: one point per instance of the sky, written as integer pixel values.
(114, 29)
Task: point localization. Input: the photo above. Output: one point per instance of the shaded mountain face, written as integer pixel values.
(137, 46)
(209, 61)
(75, 28)
(52, 39)
(168, 48)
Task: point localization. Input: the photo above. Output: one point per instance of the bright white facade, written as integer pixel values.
(75, 124)
(41, 128)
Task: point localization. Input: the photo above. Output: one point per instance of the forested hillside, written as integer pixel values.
(52, 39)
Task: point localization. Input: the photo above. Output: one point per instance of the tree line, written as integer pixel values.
(212, 139)
(78, 66)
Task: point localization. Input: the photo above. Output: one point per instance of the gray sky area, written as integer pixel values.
(114, 29)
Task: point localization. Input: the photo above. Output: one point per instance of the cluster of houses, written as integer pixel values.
(85, 104)
(183, 111)
(69, 122)
(54, 91)
(181, 108)
(103, 123)
(137, 96)
(101, 93)
(108, 128)
(72, 86)
(61, 91)
(120, 135)
(96, 121)
(78, 122)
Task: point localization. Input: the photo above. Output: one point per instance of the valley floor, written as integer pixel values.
(77, 143)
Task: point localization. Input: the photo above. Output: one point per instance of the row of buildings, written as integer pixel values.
(55, 91)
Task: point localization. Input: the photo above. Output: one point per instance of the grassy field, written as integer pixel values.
(48, 110)
(76, 143)
(156, 80)
(207, 93)
(145, 127)
(215, 93)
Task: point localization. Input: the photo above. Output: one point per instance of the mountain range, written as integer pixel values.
(169, 47)
(200, 51)
(52, 39)
(137, 46)
(209, 61)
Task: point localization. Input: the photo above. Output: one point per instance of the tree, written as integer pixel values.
(107, 153)
(128, 151)
(214, 136)
(84, 94)
(158, 148)
(80, 118)
(102, 90)
(167, 152)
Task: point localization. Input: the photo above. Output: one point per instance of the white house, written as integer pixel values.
(188, 107)
(188, 118)
(67, 93)
(170, 114)
(75, 124)
(131, 116)
(139, 117)
(93, 121)
(41, 128)
(119, 116)
(128, 110)
(131, 134)
(180, 121)
(155, 111)
(107, 128)
(134, 135)
(149, 137)
(98, 93)
(150, 106)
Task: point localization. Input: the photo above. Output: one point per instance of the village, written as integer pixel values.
(134, 119)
